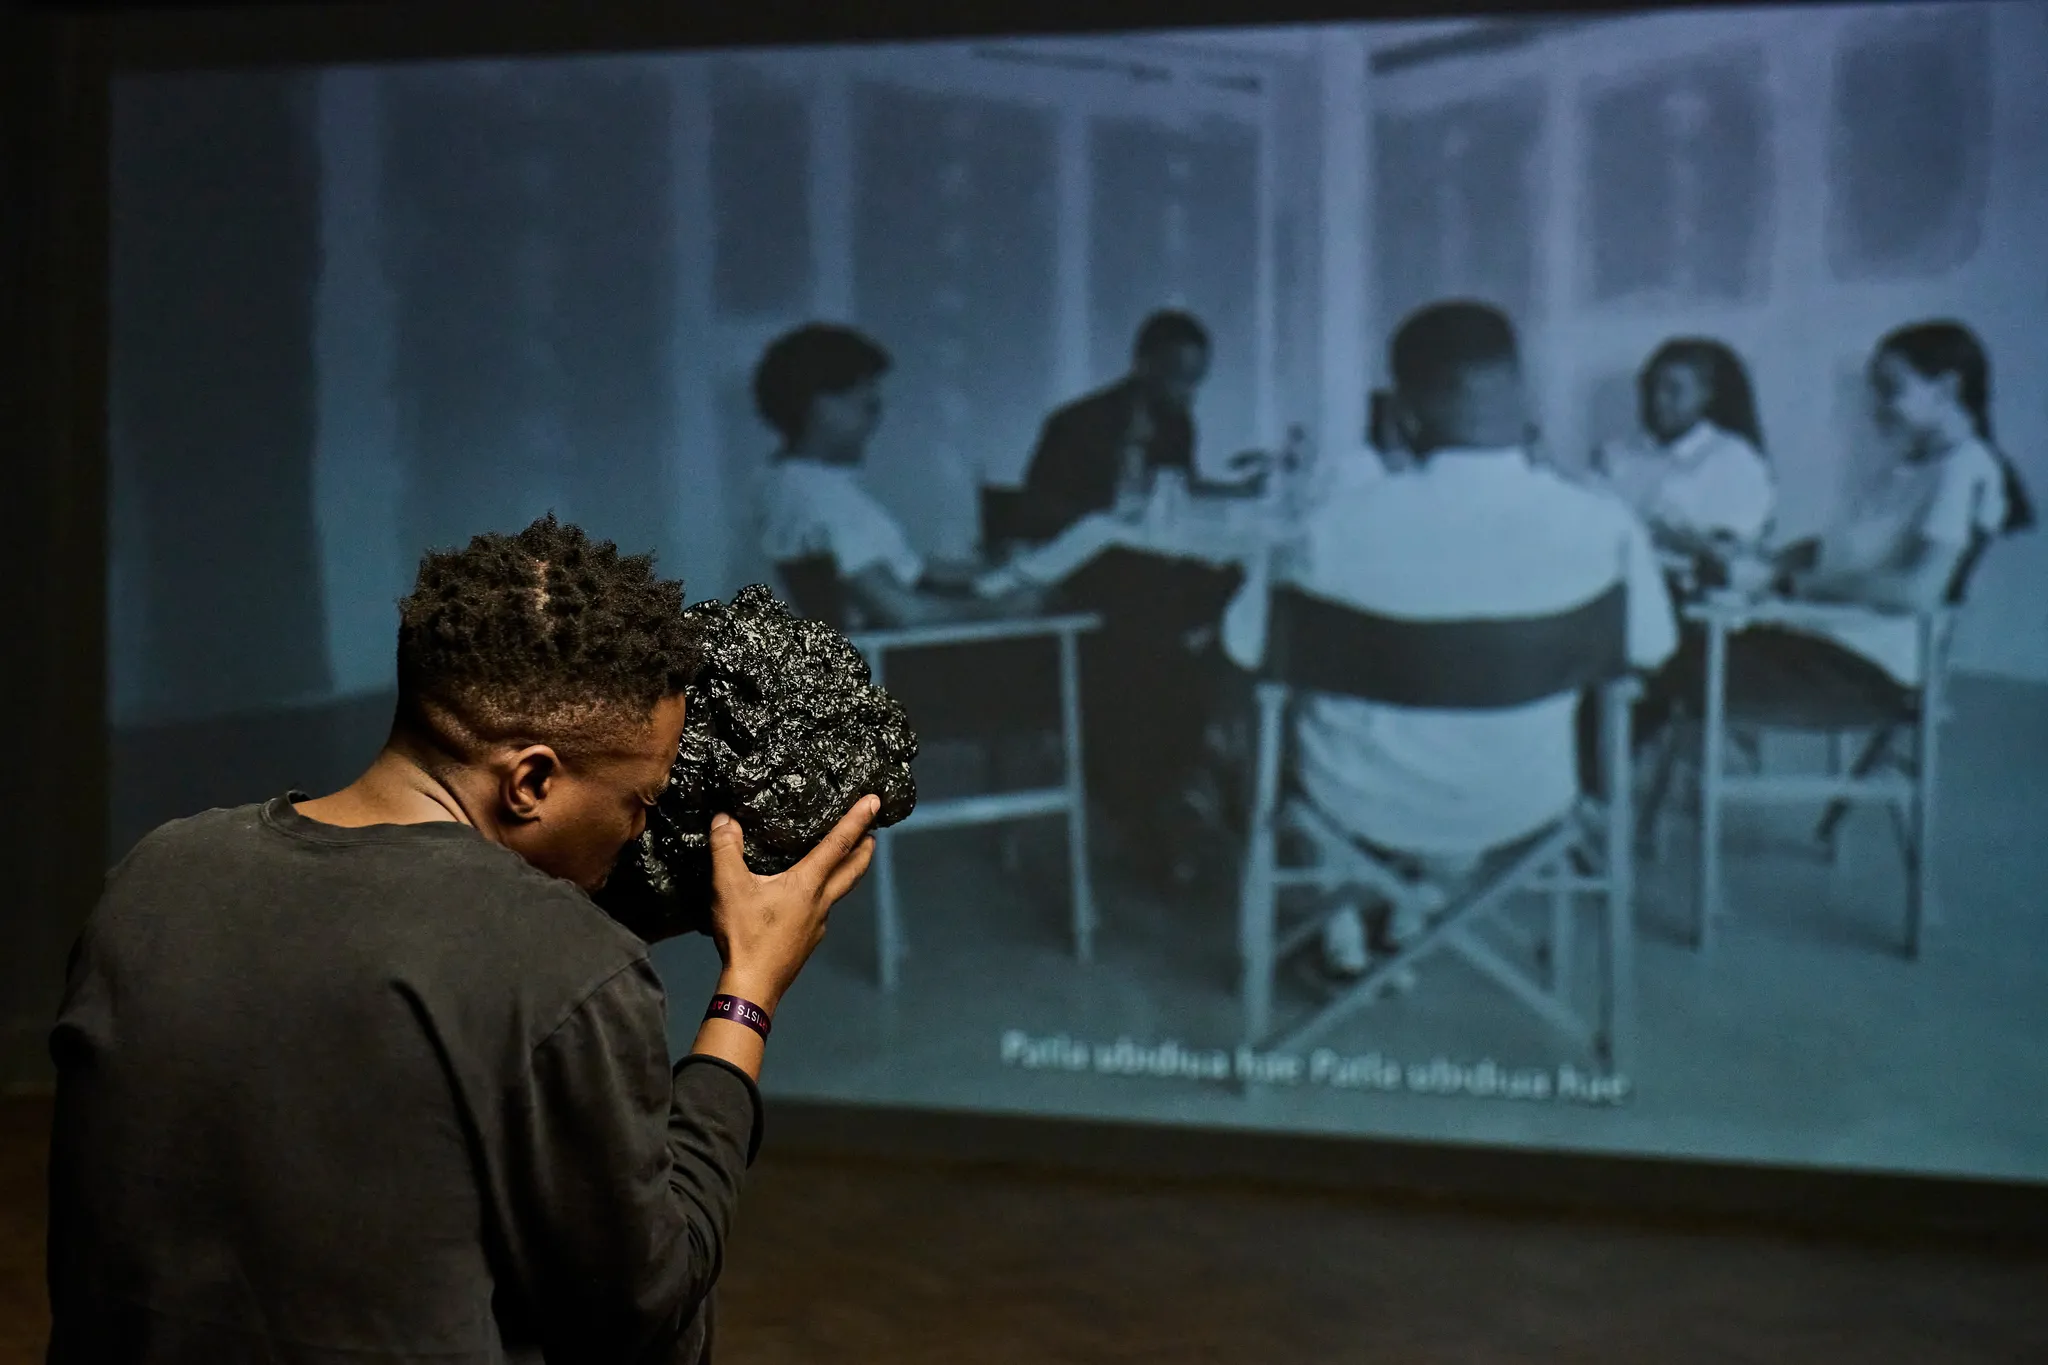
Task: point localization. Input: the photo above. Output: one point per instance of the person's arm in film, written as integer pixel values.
(891, 606)
(1916, 580)
(617, 1179)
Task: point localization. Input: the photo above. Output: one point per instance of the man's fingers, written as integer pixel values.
(851, 869)
(841, 840)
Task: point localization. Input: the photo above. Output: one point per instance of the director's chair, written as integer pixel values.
(1316, 646)
(1895, 733)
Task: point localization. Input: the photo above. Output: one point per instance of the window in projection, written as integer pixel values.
(1606, 714)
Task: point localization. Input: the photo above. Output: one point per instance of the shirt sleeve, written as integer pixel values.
(865, 535)
(619, 1178)
(839, 519)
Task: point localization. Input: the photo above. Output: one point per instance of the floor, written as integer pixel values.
(852, 1262)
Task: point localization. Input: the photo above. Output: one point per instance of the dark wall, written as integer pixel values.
(52, 348)
(215, 259)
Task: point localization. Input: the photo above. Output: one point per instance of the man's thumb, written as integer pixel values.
(728, 847)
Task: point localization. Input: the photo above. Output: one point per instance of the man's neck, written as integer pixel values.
(398, 788)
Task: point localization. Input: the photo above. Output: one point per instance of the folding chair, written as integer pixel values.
(1315, 646)
(1879, 750)
(1895, 765)
(813, 585)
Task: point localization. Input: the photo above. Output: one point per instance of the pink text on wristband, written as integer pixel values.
(738, 1011)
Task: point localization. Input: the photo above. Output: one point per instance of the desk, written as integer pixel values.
(1220, 532)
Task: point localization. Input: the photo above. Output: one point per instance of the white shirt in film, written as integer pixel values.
(1946, 502)
(1706, 482)
(1467, 534)
(811, 508)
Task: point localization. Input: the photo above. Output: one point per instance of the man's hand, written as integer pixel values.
(767, 927)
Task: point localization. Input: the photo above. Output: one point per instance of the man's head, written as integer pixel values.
(1170, 357)
(1458, 379)
(819, 387)
(540, 679)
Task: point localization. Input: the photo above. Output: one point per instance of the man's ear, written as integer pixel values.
(526, 779)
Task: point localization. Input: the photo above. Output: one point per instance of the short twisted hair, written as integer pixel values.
(546, 636)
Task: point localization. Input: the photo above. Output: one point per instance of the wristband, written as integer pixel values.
(735, 1010)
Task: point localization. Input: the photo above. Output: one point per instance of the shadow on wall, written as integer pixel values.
(165, 772)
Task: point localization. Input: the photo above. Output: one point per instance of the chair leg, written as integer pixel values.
(1256, 915)
(1257, 912)
(1922, 905)
(1080, 886)
(1559, 948)
(1615, 1033)
(1712, 760)
(1657, 797)
(1081, 889)
(888, 925)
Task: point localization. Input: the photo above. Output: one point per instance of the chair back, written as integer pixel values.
(814, 589)
(1468, 664)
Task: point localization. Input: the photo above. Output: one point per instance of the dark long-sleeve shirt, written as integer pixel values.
(367, 1095)
(1075, 465)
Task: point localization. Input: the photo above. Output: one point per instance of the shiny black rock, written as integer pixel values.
(784, 730)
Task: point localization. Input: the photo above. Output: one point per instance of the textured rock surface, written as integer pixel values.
(784, 731)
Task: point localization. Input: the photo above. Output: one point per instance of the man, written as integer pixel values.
(370, 1077)
(1122, 434)
(1150, 676)
(1474, 529)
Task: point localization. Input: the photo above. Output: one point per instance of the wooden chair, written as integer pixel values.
(815, 589)
(1315, 646)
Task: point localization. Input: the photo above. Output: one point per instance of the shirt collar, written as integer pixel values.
(806, 467)
(1477, 461)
